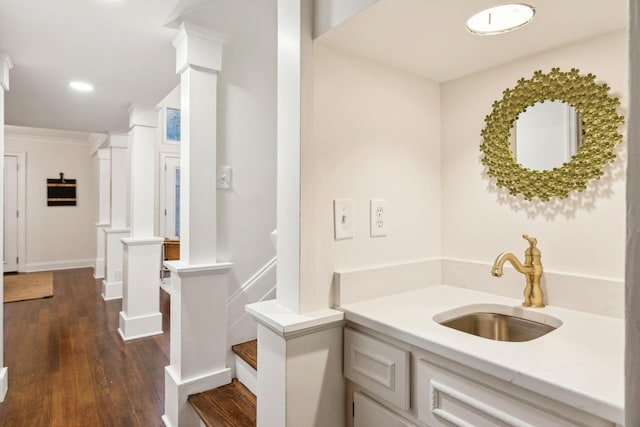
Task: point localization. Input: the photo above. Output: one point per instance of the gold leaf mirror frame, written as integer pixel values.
(600, 123)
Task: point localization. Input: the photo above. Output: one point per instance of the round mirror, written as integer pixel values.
(598, 124)
(546, 135)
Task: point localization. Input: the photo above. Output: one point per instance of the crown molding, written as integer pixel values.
(46, 136)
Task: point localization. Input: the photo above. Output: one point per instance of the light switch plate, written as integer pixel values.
(343, 219)
(223, 177)
(378, 214)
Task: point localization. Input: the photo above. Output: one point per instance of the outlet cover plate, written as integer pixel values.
(343, 219)
(378, 214)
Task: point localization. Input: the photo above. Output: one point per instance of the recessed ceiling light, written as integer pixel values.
(501, 19)
(81, 86)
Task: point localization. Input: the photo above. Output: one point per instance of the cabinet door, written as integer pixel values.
(377, 366)
(369, 413)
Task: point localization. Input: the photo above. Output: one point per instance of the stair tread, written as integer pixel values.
(248, 351)
(231, 405)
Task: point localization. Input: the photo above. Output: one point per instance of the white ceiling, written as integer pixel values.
(119, 46)
(429, 38)
(123, 47)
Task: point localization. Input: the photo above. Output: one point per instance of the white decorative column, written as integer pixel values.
(198, 280)
(118, 229)
(140, 315)
(103, 156)
(300, 380)
(6, 64)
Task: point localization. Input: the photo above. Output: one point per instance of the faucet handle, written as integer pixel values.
(532, 240)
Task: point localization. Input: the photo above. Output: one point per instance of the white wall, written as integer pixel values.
(376, 136)
(57, 236)
(583, 234)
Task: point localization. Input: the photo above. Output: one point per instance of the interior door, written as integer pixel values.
(11, 213)
(172, 197)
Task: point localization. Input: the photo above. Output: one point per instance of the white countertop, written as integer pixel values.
(581, 363)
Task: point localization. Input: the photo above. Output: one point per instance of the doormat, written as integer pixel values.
(21, 287)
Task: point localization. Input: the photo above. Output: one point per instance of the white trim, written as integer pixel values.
(289, 324)
(46, 136)
(6, 64)
(59, 265)
(22, 207)
(162, 190)
(4, 383)
(186, 270)
(111, 290)
(132, 328)
(246, 375)
(253, 280)
(177, 391)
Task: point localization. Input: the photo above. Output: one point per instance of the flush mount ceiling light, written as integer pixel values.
(501, 19)
(81, 86)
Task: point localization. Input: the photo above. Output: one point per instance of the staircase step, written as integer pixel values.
(231, 405)
(248, 352)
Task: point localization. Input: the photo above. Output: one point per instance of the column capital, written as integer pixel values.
(140, 116)
(198, 46)
(118, 141)
(6, 64)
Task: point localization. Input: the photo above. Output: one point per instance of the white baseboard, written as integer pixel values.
(98, 268)
(132, 328)
(111, 290)
(58, 265)
(177, 411)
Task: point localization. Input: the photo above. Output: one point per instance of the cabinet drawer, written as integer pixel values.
(448, 399)
(377, 366)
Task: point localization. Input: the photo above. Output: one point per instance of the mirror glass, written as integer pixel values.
(546, 135)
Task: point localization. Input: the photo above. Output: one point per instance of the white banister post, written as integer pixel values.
(198, 280)
(118, 227)
(6, 64)
(140, 316)
(103, 156)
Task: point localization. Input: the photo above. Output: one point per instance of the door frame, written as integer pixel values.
(22, 207)
(162, 191)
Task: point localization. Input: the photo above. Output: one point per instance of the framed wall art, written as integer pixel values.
(172, 125)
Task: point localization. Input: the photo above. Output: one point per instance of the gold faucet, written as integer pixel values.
(532, 269)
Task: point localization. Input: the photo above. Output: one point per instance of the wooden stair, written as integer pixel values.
(231, 405)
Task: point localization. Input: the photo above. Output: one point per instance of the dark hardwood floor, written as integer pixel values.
(69, 367)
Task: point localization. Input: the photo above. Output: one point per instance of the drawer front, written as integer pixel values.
(448, 399)
(377, 366)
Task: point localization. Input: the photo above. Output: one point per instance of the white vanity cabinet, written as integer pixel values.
(437, 391)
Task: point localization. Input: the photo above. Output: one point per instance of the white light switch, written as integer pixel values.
(343, 219)
(223, 177)
(378, 214)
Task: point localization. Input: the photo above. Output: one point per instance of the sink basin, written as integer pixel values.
(500, 323)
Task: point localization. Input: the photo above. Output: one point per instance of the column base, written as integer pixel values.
(140, 316)
(178, 413)
(111, 290)
(132, 328)
(98, 269)
(295, 347)
(4, 383)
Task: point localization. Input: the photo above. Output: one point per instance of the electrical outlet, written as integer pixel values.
(378, 214)
(343, 219)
